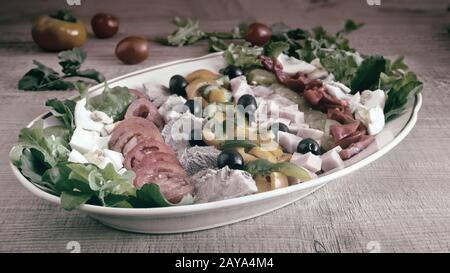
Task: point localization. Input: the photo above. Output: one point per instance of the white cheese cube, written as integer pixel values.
(115, 157)
(83, 140)
(293, 65)
(83, 118)
(76, 157)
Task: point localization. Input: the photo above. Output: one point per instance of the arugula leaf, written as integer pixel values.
(71, 60)
(341, 64)
(215, 44)
(243, 56)
(368, 74)
(397, 98)
(188, 32)
(53, 149)
(274, 49)
(64, 111)
(45, 78)
(72, 200)
(113, 101)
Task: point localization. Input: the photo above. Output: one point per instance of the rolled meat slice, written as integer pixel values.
(144, 148)
(357, 147)
(145, 109)
(342, 131)
(134, 127)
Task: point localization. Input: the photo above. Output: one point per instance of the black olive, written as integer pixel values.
(232, 71)
(177, 85)
(194, 108)
(308, 145)
(248, 102)
(231, 159)
(279, 127)
(196, 139)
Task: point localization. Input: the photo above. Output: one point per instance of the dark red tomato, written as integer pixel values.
(258, 34)
(104, 25)
(132, 50)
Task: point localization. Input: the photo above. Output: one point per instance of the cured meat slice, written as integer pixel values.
(143, 148)
(172, 185)
(342, 131)
(345, 142)
(133, 127)
(356, 148)
(145, 109)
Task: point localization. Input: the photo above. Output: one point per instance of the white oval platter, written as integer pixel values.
(209, 215)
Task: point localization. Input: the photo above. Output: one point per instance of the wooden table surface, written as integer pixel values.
(399, 203)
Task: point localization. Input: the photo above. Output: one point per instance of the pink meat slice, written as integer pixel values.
(135, 127)
(356, 148)
(172, 185)
(345, 142)
(142, 149)
(341, 131)
(145, 109)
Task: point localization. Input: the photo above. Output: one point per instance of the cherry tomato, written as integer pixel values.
(258, 34)
(104, 25)
(132, 50)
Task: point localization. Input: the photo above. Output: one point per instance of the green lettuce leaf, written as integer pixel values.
(64, 111)
(243, 56)
(113, 101)
(149, 196)
(368, 74)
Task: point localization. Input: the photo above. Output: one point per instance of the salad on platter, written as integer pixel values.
(287, 107)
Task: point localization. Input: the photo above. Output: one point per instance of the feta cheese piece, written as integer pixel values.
(293, 65)
(332, 160)
(219, 184)
(197, 158)
(372, 99)
(99, 116)
(83, 118)
(115, 157)
(76, 157)
(372, 118)
(97, 157)
(102, 142)
(84, 140)
(173, 108)
(309, 161)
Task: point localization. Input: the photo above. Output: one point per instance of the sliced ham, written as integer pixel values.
(315, 134)
(288, 141)
(341, 131)
(356, 148)
(145, 109)
(132, 127)
(144, 148)
(332, 160)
